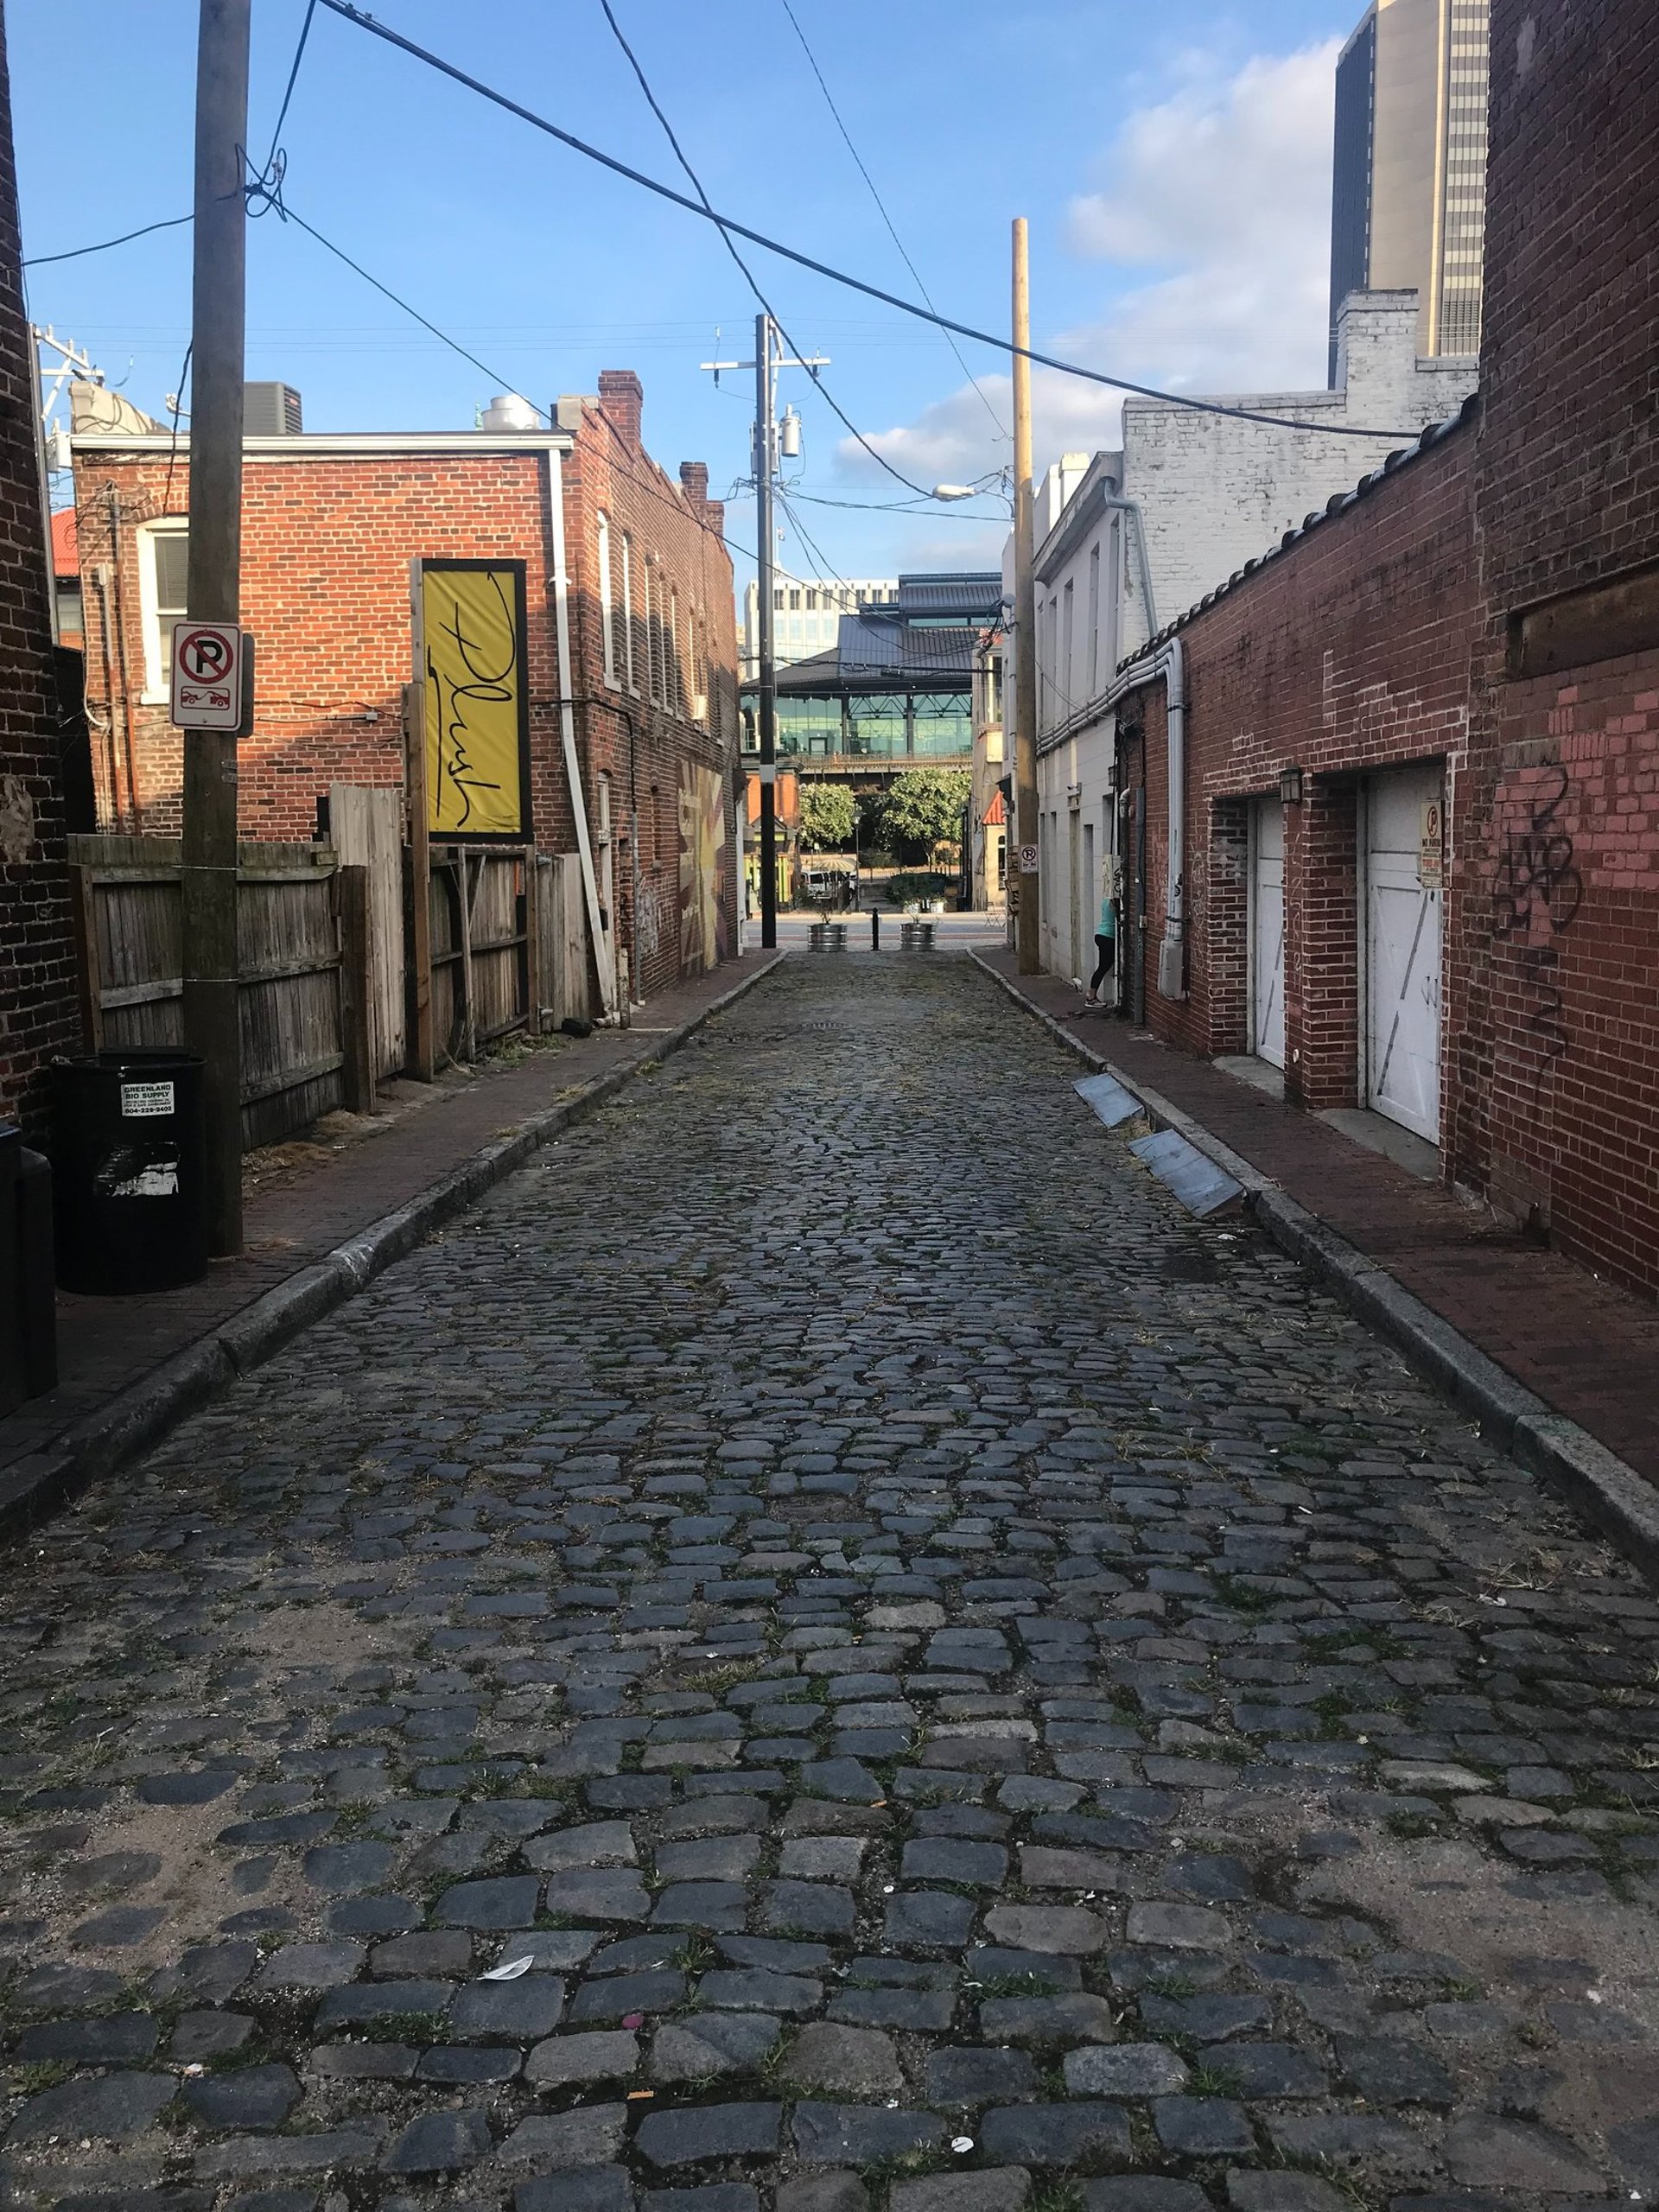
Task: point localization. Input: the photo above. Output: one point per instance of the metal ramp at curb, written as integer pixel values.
(1105, 1096)
(1202, 1187)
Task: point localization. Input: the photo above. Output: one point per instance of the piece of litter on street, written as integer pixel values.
(509, 1970)
(962, 2145)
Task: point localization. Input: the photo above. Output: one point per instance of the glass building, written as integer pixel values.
(1408, 184)
(897, 688)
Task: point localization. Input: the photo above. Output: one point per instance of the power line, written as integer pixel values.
(287, 214)
(727, 223)
(75, 253)
(679, 151)
(806, 538)
(293, 78)
(881, 209)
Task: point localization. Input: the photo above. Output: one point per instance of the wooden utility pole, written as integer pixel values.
(1026, 939)
(764, 472)
(212, 589)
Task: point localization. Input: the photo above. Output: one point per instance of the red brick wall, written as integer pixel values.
(327, 543)
(672, 529)
(1569, 443)
(38, 1003)
(1345, 654)
(325, 546)
(1563, 1041)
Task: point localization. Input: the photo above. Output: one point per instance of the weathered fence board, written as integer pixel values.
(288, 949)
(365, 828)
(481, 950)
(562, 926)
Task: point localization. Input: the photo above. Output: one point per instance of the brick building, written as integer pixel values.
(1560, 1122)
(1415, 844)
(39, 1013)
(629, 639)
(1325, 696)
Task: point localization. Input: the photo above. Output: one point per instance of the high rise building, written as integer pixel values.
(1408, 200)
(806, 615)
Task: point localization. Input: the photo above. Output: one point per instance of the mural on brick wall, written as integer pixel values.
(702, 834)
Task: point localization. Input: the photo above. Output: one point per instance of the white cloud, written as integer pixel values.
(1219, 198)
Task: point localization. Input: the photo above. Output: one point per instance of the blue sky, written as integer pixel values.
(1174, 167)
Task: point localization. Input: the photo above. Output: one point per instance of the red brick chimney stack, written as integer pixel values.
(623, 398)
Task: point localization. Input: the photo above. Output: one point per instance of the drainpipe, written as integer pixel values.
(604, 948)
(1133, 507)
(1171, 953)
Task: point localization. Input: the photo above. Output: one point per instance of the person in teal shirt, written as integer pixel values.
(1105, 950)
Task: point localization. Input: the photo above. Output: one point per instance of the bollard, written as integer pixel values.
(875, 930)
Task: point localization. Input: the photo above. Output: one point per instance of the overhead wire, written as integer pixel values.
(729, 223)
(881, 209)
(75, 252)
(656, 107)
(293, 78)
(827, 566)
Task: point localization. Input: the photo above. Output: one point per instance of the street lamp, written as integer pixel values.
(956, 492)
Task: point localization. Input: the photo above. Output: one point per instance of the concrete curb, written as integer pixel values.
(1596, 1482)
(39, 1484)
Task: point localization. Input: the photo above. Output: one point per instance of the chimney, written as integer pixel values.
(623, 398)
(694, 481)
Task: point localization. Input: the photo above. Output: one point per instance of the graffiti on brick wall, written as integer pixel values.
(647, 927)
(1536, 900)
(702, 834)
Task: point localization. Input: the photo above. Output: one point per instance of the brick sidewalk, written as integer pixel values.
(1588, 1349)
(107, 1344)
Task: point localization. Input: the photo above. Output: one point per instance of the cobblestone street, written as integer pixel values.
(830, 1646)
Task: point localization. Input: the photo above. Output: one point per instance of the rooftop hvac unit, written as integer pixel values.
(509, 411)
(271, 411)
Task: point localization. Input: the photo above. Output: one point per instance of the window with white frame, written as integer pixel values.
(653, 631)
(163, 558)
(627, 615)
(606, 610)
(674, 673)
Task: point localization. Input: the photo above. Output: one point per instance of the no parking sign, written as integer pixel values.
(206, 686)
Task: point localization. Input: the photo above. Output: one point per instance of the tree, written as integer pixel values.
(827, 815)
(921, 808)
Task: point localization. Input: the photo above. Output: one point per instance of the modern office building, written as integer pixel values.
(1409, 199)
(895, 690)
(806, 614)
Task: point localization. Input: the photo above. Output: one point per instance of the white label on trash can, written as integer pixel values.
(138, 1099)
(153, 1182)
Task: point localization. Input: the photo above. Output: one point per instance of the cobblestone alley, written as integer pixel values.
(829, 1645)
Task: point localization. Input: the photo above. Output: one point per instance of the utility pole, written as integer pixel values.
(764, 472)
(766, 363)
(212, 587)
(1026, 939)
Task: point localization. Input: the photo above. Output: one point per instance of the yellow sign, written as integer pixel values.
(470, 654)
(1431, 850)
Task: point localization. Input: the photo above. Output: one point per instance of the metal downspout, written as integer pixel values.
(604, 947)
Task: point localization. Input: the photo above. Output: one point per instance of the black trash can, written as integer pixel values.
(128, 1180)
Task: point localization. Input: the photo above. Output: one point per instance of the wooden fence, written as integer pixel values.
(562, 937)
(365, 828)
(301, 1003)
(321, 947)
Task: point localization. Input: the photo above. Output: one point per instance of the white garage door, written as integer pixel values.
(1267, 933)
(1402, 954)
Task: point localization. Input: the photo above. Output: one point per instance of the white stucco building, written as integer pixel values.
(1125, 541)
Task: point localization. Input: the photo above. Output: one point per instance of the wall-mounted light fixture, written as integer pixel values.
(1290, 786)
